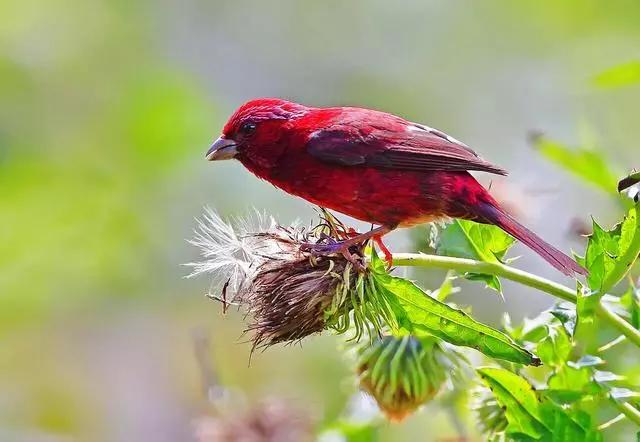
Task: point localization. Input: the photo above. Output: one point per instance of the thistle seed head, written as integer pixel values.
(287, 292)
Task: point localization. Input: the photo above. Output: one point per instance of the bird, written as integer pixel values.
(370, 165)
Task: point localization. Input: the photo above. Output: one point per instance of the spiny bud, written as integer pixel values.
(490, 415)
(403, 373)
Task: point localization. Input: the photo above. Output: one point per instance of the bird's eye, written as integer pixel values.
(248, 128)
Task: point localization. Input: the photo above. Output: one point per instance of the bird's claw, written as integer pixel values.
(350, 252)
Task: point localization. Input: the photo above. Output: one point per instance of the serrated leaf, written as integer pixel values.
(519, 400)
(555, 348)
(609, 256)
(530, 330)
(568, 425)
(625, 74)
(589, 165)
(483, 242)
(533, 417)
(611, 253)
(417, 313)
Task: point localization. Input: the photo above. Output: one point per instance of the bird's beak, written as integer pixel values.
(222, 149)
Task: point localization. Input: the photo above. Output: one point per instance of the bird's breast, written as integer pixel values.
(384, 197)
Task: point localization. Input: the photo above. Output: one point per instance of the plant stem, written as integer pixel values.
(463, 265)
(623, 326)
(631, 412)
(610, 422)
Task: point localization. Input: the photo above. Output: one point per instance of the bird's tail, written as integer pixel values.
(491, 214)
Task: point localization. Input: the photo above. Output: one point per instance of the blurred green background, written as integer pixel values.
(107, 110)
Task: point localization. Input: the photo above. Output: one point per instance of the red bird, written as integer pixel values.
(371, 165)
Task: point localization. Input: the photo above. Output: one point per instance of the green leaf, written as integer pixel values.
(531, 330)
(586, 329)
(587, 164)
(446, 288)
(419, 313)
(625, 74)
(611, 253)
(519, 400)
(566, 425)
(570, 379)
(555, 349)
(532, 417)
(467, 239)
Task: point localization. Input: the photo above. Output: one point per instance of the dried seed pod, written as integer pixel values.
(289, 299)
(289, 293)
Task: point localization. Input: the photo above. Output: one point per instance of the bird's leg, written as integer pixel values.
(343, 247)
(388, 257)
(351, 232)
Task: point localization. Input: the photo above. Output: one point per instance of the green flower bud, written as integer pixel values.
(403, 373)
(490, 415)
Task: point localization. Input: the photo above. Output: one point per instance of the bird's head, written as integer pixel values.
(254, 131)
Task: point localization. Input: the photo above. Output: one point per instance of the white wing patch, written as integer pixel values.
(436, 132)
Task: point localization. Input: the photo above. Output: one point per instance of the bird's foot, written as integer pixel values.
(351, 248)
(351, 251)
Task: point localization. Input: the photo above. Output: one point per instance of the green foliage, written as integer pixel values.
(588, 164)
(611, 253)
(609, 256)
(467, 239)
(518, 399)
(625, 74)
(531, 415)
(555, 348)
(418, 313)
(572, 388)
(575, 389)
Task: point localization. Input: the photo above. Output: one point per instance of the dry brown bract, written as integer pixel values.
(288, 293)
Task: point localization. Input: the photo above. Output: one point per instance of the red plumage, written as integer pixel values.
(370, 165)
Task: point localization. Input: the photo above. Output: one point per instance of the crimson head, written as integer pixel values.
(255, 130)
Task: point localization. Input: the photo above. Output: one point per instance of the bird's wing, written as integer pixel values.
(413, 147)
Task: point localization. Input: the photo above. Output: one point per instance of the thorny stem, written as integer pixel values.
(463, 265)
